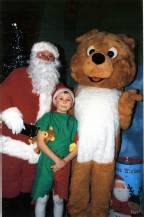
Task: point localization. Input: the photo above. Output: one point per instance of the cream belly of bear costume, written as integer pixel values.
(96, 110)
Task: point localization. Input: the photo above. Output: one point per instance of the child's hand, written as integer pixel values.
(58, 165)
(42, 135)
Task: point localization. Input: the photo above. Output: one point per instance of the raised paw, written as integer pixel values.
(128, 100)
(126, 106)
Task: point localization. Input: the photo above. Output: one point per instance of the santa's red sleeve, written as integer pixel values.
(13, 112)
(6, 90)
(11, 116)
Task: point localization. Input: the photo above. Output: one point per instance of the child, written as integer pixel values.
(54, 155)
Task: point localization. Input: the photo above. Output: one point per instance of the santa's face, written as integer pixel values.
(43, 70)
(120, 191)
(46, 56)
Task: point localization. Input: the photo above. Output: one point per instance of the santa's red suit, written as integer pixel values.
(16, 92)
(120, 206)
(19, 104)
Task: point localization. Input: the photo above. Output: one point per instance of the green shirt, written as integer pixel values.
(65, 128)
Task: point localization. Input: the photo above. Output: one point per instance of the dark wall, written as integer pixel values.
(27, 14)
(64, 20)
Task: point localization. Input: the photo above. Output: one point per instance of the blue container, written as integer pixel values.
(131, 172)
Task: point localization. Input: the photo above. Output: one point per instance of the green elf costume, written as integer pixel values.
(65, 128)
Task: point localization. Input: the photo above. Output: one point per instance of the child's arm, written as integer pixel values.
(66, 160)
(47, 151)
(70, 156)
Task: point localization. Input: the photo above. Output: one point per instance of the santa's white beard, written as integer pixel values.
(121, 194)
(44, 75)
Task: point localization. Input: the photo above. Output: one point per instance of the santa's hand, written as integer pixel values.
(13, 119)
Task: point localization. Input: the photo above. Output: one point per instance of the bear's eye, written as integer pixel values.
(112, 52)
(90, 50)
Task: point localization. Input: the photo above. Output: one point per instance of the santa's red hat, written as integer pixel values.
(119, 179)
(41, 46)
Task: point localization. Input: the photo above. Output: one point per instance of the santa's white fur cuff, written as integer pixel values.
(19, 149)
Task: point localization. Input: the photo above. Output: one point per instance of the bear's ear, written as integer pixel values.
(87, 35)
(128, 40)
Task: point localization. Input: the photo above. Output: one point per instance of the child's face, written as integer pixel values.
(63, 102)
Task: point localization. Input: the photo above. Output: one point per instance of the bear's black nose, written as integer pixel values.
(98, 58)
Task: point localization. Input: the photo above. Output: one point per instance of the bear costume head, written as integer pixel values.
(104, 60)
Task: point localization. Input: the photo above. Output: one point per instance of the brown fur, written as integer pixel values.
(114, 72)
(91, 196)
(92, 174)
(49, 136)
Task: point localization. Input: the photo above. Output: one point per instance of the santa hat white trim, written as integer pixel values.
(119, 181)
(41, 46)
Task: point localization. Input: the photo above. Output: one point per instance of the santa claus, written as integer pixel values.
(120, 197)
(25, 97)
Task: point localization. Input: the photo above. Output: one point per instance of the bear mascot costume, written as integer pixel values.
(26, 94)
(103, 65)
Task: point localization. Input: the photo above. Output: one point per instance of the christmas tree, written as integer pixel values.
(16, 57)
